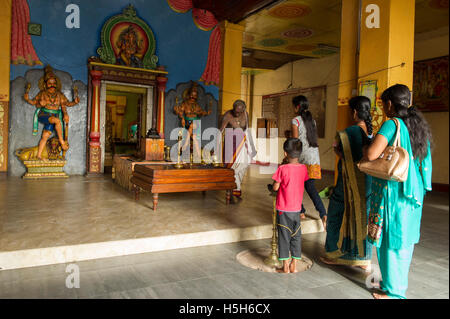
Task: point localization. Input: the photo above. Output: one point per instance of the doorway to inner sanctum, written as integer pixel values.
(122, 122)
(124, 117)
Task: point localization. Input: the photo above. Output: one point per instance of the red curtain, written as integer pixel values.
(211, 74)
(205, 21)
(22, 50)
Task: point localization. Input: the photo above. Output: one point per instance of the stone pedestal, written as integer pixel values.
(45, 169)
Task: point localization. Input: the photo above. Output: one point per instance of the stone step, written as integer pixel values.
(67, 254)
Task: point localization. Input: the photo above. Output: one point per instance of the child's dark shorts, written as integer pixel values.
(289, 235)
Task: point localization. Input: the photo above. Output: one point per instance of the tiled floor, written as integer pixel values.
(49, 213)
(213, 272)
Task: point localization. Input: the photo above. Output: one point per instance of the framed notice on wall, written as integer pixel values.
(278, 108)
(430, 85)
(369, 89)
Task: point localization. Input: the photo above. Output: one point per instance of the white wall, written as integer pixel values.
(307, 73)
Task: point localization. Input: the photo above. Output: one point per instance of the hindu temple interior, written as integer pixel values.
(126, 68)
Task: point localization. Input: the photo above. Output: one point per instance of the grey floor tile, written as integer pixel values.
(281, 297)
(205, 288)
(106, 296)
(219, 265)
(436, 249)
(301, 292)
(442, 262)
(139, 293)
(168, 271)
(421, 289)
(423, 253)
(120, 279)
(431, 275)
(167, 291)
(443, 295)
(91, 285)
(41, 288)
(254, 284)
(342, 290)
(435, 233)
(207, 251)
(319, 275)
(102, 263)
(32, 272)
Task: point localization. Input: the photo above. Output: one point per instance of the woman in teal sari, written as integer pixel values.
(346, 242)
(396, 207)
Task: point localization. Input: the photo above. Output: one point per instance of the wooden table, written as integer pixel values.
(159, 179)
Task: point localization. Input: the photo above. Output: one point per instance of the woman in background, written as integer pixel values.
(396, 207)
(304, 128)
(346, 242)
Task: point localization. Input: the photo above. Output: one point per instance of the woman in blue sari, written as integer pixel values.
(346, 242)
(396, 207)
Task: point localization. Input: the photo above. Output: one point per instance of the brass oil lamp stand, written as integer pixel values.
(179, 164)
(272, 259)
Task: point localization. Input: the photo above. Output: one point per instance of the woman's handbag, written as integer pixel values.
(392, 164)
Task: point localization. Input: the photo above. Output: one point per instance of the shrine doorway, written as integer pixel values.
(126, 112)
(145, 87)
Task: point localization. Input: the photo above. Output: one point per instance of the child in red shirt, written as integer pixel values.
(289, 181)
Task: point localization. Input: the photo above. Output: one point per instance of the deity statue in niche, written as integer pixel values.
(51, 110)
(130, 47)
(190, 111)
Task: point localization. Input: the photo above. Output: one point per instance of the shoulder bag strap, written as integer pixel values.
(397, 134)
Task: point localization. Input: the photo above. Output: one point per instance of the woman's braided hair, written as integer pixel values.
(362, 106)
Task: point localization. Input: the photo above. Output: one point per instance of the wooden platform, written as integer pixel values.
(191, 178)
(123, 167)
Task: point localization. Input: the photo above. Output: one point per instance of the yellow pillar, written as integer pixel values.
(387, 52)
(231, 64)
(348, 61)
(5, 61)
(348, 68)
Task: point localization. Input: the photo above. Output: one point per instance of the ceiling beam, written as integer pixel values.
(261, 59)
